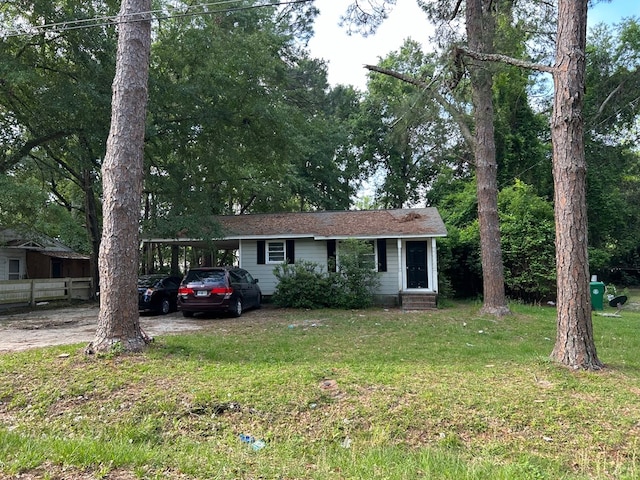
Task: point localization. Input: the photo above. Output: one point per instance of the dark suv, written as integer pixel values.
(157, 293)
(218, 289)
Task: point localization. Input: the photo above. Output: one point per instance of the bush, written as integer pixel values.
(301, 285)
(304, 285)
(356, 280)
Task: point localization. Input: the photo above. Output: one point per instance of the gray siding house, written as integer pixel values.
(403, 245)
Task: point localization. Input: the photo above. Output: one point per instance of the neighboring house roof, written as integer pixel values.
(397, 223)
(38, 243)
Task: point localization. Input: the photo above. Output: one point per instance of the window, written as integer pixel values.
(359, 253)
(275, 252)
(14, 269)
(367, 255)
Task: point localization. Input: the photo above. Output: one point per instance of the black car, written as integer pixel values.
(218, 289)
(158, 293)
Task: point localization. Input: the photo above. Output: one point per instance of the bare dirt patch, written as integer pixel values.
(64, 326)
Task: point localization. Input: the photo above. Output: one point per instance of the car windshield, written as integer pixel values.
(148, 282)
(206, 276)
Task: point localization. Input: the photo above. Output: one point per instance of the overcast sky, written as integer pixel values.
(346, 54)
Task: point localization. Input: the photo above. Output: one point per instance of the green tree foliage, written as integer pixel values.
(404, 135)
(243, 121)
(522, 135)
(55, 93)
(611, 117)
(240, 118)
(460, 268)
(527, 230)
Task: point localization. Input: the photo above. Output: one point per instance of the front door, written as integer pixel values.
(56, 268)
(417, 265)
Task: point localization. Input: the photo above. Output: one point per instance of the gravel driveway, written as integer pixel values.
(63, 326)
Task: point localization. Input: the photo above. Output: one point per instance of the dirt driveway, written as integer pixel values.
(63, 326)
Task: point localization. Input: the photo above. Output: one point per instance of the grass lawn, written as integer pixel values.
(371, 394)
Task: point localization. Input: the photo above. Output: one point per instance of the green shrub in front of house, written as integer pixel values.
(352, 285)
(300, 285)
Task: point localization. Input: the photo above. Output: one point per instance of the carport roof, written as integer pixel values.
(396, 223)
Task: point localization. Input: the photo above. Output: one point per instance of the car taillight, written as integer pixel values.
(222, 290)
(185, 291)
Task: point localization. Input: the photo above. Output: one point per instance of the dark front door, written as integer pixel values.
(56, 268)
(417, 265)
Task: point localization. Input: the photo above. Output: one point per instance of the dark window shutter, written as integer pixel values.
(261, 247)
(291, 251)
(331, 255)
(382, 254)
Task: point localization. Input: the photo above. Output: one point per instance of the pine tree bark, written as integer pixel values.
(480, 32)
(118, 319)
(574, 346)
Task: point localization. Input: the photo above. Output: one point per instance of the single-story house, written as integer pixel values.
(403, 242)
(37, 256)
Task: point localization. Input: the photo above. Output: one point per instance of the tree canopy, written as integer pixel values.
(241, 119)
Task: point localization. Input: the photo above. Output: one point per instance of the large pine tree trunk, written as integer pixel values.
(574, 345)
(480, 32)
(118, 320)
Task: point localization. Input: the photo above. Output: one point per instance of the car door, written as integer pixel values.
(252, 286)
(239, 280)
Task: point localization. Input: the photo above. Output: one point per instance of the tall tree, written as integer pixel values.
(575, 346)
(480, 23)
(118, 320)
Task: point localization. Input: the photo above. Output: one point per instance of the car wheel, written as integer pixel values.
(165, 306)
(259, 302)
(236, 307)
(187, 314)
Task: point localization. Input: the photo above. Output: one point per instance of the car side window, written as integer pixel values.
(235, 276)
(248, 277)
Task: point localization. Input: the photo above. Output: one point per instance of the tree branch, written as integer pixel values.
(607, 100)
(496, 57)
(455, 114)
(8, 161)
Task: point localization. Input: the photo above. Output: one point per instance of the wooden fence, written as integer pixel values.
(44, 289)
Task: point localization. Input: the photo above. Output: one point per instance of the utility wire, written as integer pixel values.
(190, 11)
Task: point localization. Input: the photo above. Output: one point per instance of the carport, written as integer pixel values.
(185, 252)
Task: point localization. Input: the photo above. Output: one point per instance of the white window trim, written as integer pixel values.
(267, 252)
(10, 273)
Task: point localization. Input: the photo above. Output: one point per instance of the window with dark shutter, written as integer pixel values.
(261, 245)
(382, 254)
(291, 251)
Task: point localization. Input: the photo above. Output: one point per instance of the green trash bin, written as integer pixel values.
(597, 295)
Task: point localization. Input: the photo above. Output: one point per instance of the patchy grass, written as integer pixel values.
(375, 394)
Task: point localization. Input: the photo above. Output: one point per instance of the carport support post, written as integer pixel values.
(32, 295)
(175, 259)
(148, 258)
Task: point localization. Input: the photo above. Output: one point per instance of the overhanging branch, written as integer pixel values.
(498, 58)
(451, 110)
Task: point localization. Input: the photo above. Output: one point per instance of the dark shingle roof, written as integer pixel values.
(407, 222)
